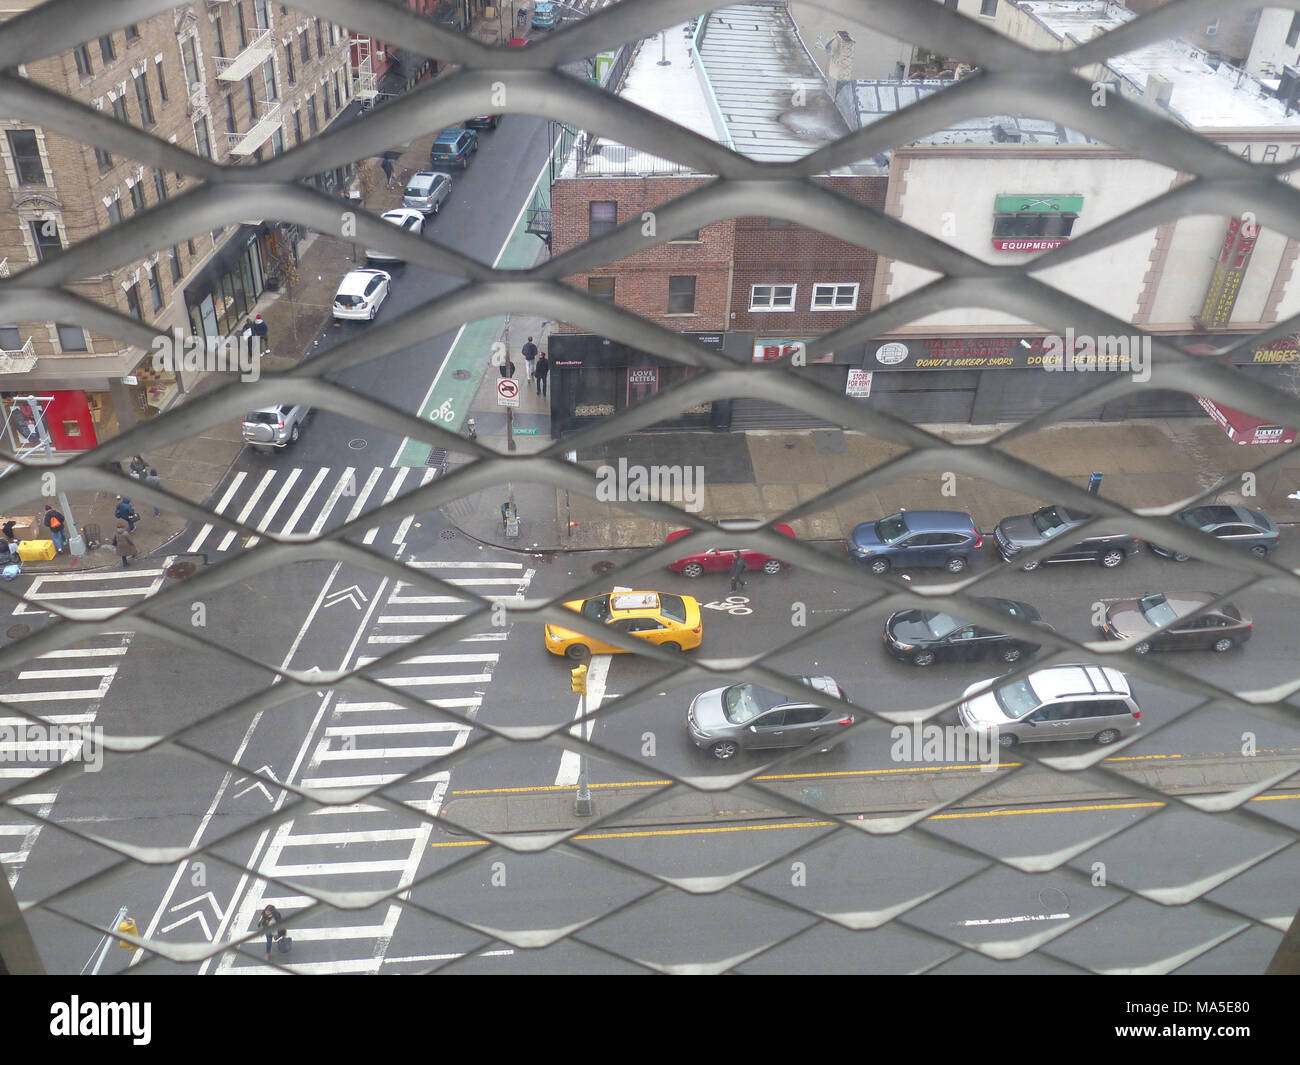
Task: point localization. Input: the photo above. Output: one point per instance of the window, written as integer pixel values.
(27, 157)
(311, 113)
(268, 75)
(252, 100)
(772, 297)
(201, 139)
(71, 337)
(190, 60)
(155, 288)
(142, 97)
(1034, 224)
(114, 210)
(119, 109)
(262, 16)
(82, 55)
(951, 5)
(221, 37)
(325, 101)
(133, 302)
(831, 297)
(989, 7)
(1293, 34)
(293, 73)
(137, 198)
(601, 288)
(338, 93)
(239, 22)
(277, 140)
(174, 260)
(320, 42)
(303, 48)
(103, 160)
(9, 338)
(45, 234)
(106, 48)
(160, 185)
(189, 247)
(681, 295)
(162, 81)
(602, 216)
(297, 127)
(693, 237)
(133, 32)
(231, 126)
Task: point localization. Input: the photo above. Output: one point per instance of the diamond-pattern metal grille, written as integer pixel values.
(1010, 79)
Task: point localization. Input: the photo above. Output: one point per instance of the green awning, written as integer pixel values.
(1037, 203)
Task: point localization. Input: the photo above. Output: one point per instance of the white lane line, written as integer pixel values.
(365, 708)
(54, 697)
(372, 835)
(51, 674)
(399, 537)
(389, 496)
(360, 504)
(328, 785)
(1019, 919)
(386, 753)
(448, 957)
(391, 865)
(431, 660)
(403, 638)
(53, 719)
(416, 682)
(113, 575)
(247, 509)
(465, 565)
(225, 502)
(264, 523)
(380, 730)
(570, 761)
(348, 480)
(305, 500)
(84, 652)
(101, 593)
(419, 619)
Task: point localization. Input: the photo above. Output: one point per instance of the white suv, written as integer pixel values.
(276, 427)
(1057, 703)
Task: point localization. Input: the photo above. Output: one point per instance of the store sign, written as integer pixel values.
(979, 353)
(593, 410)
(770, 350)
(1243, 428)
(643, 375)
(858, 385)
(1225, 281)
(1037, 222)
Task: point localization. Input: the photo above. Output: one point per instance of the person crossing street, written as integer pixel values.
(737, 573)
(529, 352)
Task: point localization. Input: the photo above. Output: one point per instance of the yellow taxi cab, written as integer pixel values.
(671, 621)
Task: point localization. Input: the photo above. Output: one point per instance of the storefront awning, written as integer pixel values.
(1245, 428)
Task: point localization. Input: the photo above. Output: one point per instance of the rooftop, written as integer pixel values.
(1203, 97)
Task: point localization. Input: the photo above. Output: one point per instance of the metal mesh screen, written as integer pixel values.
(763, 917)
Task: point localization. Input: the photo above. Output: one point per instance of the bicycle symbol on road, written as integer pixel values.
(733, 605)
(443, 413)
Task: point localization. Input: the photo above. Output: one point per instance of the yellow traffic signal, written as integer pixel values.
(579, 676)
(128, 926)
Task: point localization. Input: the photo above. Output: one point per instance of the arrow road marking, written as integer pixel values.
(257, 785)
(352, 593)
(207, 932)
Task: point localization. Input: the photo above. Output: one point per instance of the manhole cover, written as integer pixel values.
(602, 567)
(181, 569)
(356, 443)
(448, 534)
(15, 631)
(543, 560)
(461, 375)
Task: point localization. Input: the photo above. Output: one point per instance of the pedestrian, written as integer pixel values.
(508, 368)
(124, 544)
(259, 331)
(8, 530)
(529, 352)
(56, 523)
(387, 167)
(738, 569)
(271, 920)
(9, 548)
(124, 511)
(539, 373)
(138, 467)
(151, 479)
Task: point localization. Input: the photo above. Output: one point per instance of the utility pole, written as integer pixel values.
(582, 805)
(76, 545)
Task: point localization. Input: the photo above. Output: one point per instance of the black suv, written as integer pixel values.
(1023, 532)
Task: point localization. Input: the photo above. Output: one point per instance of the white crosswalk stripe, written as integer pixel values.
(66, 692)
(314, 501)
(370, 743)
(109, 591)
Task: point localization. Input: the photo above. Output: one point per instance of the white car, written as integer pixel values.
(405, 218)
(360, 294)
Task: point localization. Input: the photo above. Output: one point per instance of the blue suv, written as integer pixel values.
(544, 16)
(453, 147)
(915, 538)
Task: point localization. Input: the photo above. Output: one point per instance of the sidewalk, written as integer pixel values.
(763, 474)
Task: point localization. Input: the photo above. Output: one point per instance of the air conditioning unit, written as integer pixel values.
(1212, 30)
(1159, 90)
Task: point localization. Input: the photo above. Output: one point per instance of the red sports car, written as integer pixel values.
(720, 559)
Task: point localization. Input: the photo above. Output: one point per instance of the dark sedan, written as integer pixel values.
(1249, 529)
(1191, 626)
(923, 637)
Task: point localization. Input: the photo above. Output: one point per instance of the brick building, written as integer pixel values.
(230, 81)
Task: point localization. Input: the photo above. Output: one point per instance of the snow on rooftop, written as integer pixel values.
(1203, 98)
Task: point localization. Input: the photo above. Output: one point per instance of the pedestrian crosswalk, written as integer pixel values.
(93, 596)
(65, 689)
(367, 743)
(299, 501)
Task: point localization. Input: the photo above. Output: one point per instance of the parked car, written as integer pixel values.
(407, 218)
(276, 427)
(545, 17)
(453, 147)
(1249, 529)
(484, 122)
(1192, 626)
(1023, 532)
(1069, 702)
(671, 621)
(923, 637)
(743, 717)
(426, 191)
(912, 538)
(720, 559)
(360, 294)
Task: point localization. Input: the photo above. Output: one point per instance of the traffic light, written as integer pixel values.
(128, 926)
(579, 676)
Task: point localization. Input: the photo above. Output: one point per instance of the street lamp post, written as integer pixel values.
(76, 544)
